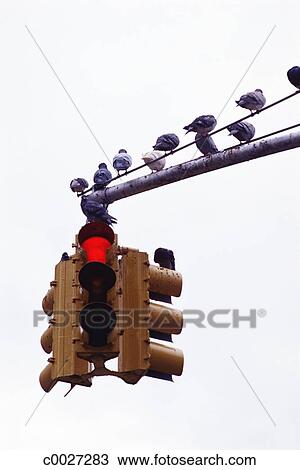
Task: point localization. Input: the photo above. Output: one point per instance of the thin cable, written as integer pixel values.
(244, 75)
(196, 140)
(248, 68)
(68, 94)
(261, 137)
(242, 144)
(253, 390)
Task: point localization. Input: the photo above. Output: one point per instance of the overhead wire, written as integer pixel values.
(279, 131)
(167, 154)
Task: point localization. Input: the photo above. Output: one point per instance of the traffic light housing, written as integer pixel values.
(63, 301)
(101, 307)
(138, 354)
(97, 318)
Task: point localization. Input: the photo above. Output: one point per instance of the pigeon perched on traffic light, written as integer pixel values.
(243, 131)
(206, 144)
(96, 211)
(122, 161)
(78, 185)
(150, 157)
(202, 124)
(166, 142)
(65, 256)
(254, 100)
(102, 176)
(294, 76)
(165, 258)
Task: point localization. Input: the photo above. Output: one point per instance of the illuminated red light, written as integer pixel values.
(95, 238)
(95, 248)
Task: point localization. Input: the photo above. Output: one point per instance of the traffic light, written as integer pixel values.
(62, 302)
(100, 309)
(98, 276)
(138, 355)
(82, 334)
(97, 318)
(165, 259)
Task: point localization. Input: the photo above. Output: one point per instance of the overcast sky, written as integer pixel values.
(137, 69)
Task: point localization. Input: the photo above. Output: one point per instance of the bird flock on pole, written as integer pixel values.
(244, 131)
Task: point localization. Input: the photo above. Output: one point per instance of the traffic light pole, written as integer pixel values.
(199, 166)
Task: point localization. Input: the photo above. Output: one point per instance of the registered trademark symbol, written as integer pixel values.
(261, 312)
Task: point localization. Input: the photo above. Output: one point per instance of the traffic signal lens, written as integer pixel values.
(95, 248)
(95, 276)
(98, 319)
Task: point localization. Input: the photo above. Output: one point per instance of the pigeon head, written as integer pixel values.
(258, 89)
(232, 130)
(102, 175)
(122, 151)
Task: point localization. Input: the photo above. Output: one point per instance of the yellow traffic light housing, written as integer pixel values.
(100, 309)
(63, 334)
(138, 354)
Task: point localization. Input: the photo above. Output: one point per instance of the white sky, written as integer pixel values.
(138, 69)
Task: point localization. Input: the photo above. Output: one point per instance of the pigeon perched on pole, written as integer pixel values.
(254, 100)
(294, 76)
(202, 124)
(206, 144)
(243, 131)
(150, 157)
(102, 176)
(166, 142)
(78, 185)
(122, 161)
(96, 211)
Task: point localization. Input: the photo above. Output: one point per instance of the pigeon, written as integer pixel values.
(243, 131)
(78, 185)
(202, 124)
(122, 161)
(206, 144)
(166, 142)
(95, 211)
(165, 258)
(149, 158)
(294, 76)
(254, 100)
(65, 256)
(102, 176)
